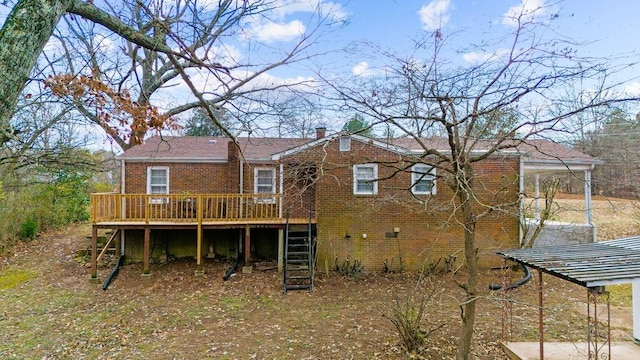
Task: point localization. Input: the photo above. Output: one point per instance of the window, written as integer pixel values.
(364, 179)
(264, 182)
(158, 183)
(423, 179)
(345, 143)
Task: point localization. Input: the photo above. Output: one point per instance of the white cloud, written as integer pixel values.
(434, 15)
(332, 10)
(279, 23)
(52, 45)
(362, 69)
(526, 11)
(476, 57)
(271, 31)
(105, 43)
(223, 54)
(632, 89)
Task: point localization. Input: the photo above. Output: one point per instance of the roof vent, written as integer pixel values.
(213, 141)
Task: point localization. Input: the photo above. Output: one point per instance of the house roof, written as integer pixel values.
(590, 265)
(533, 150)
(536, 153)
(205, 148)
(541, 150)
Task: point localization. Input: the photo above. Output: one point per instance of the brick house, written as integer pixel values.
(358, 198)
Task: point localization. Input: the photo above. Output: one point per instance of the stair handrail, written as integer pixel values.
(286, 251)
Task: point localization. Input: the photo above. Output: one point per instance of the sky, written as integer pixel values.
(605, 28)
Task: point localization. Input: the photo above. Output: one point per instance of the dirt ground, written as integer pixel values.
(50, 310)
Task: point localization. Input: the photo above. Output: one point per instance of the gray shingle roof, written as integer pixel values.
(207, 148)
(216, 148)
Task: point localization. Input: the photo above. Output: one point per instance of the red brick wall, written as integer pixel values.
(196, 178)
(428, 231)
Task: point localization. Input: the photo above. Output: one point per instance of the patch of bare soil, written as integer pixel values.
(50, 310)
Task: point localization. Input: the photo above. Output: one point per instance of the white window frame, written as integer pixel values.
(373, 179)
(159, 200)
(345, 143)
(256, 185)
(419, 175)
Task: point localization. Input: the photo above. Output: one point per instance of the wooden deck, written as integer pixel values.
(187, 211)
(185, 208)
(216, 224)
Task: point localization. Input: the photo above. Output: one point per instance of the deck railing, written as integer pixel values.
(106, 207)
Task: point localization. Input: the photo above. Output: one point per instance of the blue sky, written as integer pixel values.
(609, 27)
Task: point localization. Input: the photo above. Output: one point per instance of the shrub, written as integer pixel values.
(348, 269)
(409, 317)
(28, 229)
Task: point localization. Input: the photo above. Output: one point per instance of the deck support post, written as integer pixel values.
(199, 270)
(199, 246)
(147, 241)
(117, 244)
(540, 315)
(94, 252)
(280, 249)
(247, 245)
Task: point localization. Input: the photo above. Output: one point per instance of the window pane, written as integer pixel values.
(365, 179)
(158, 182)
(265, 181)
(364, 172)
(365, 186)
(422, 186)
(158, 189)
(422, 179)
(345, 143)
(158, 177)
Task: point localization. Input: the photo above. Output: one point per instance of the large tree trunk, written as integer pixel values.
(22, 38)
(466, 196)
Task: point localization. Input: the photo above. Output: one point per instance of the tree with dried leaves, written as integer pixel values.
(482, 109)
(124, 83)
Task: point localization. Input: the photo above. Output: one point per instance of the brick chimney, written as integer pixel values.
(321, 132)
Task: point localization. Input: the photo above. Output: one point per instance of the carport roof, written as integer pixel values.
(590, 265)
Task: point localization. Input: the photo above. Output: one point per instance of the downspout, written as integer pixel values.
(122, 176)
(241, 184)
(241, 176)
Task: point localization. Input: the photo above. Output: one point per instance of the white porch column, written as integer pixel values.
(587, 196)
(537, 199)
(635, 299)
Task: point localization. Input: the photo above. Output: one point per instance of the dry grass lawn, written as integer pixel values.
(49, 309)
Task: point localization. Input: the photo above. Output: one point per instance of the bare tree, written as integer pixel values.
(126, 85)
(297, 116)
(521, 75)
(615, 141)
